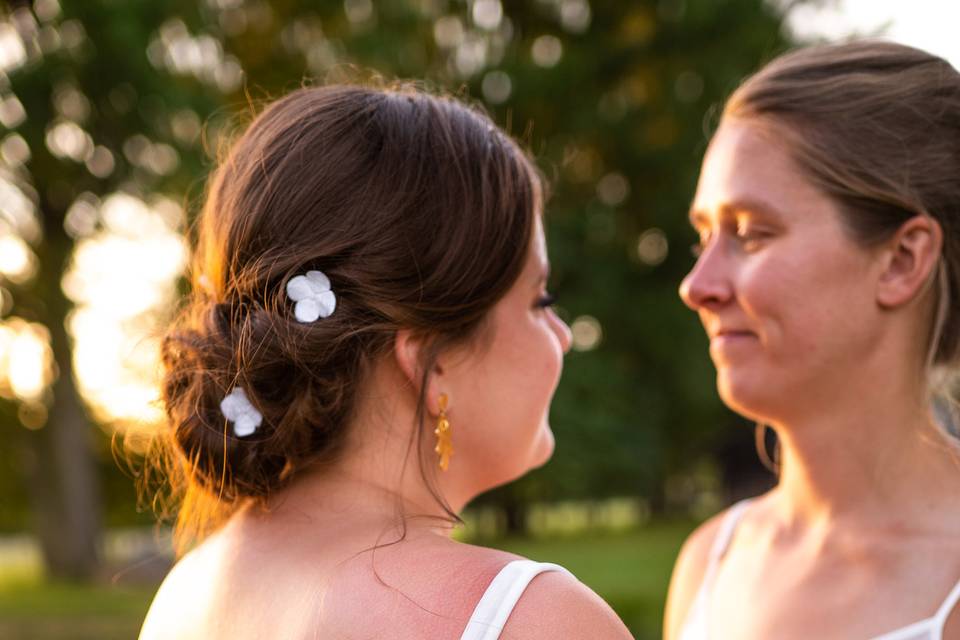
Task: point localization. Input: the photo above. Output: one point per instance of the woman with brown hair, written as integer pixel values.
(369, 345)
(828, 282)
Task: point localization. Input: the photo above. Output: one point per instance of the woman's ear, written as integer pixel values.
(410, 352)
(406, 352)
(911, 258)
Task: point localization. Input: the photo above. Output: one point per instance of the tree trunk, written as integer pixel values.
(516, 515)
(62, 472)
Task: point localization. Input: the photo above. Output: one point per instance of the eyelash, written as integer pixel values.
(547, 300)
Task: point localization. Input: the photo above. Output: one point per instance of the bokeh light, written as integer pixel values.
(652, 247)
(17, 262)
(587, 333)
(546, 51)
(613, 189)
(496, 87)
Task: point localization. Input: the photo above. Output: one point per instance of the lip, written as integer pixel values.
(717, 332)
(731, 333)
(728, 338)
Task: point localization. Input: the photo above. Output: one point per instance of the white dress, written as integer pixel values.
(695, 626)
(501, 597)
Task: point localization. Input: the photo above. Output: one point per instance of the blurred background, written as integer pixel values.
(111, 112)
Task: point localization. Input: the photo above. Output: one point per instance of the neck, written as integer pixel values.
(378, 476)
(882, 462)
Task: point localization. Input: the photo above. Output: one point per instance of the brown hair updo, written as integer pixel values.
(876, 126)
(420, 212)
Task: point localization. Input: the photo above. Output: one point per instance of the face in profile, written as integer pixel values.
(782, 290)
(503, 385)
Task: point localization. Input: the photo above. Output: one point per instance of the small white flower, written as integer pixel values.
(237, 409)
(313, 296)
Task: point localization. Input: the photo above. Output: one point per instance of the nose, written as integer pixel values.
(707, 284)
(563, 332)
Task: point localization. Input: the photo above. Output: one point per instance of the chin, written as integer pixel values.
(503, 469)
(746, 397)
(543, 447)
(537, 455)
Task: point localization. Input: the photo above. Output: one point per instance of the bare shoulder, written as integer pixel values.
(157, 624)
(557, 605)
(688, 573)
(424, 586)
(554, 604)
(179, 599)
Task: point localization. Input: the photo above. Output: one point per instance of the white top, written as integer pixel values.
(501, 597)
(695, 626)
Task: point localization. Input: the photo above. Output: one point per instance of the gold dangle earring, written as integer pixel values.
(444, 447)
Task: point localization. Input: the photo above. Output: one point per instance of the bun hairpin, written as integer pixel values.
(313, 296)
(237, 409)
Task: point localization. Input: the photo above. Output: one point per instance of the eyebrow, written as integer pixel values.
(745, 205)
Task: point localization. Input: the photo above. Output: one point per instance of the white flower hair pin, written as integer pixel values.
(313, 296)
(237, 409)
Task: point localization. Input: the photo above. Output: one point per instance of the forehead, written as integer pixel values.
(538, 245)
(747, 162)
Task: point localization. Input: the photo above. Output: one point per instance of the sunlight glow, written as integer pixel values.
(201, 56)
(17, 209)
(17, 262)
(122, 279)
(12, 52)
(66, 139)
(26, 360)
(927, 24)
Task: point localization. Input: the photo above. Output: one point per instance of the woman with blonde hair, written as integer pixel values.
(828, 283)
(368, 346)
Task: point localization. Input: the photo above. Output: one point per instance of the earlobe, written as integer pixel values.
(911, 259)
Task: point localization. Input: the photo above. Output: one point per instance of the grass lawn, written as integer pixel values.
(629, 570)
(32, 609)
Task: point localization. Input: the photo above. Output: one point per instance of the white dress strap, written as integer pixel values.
(722, 540)
(501, 597)
(943, 613)
(695, 622)
(727, 529)
(929, 628)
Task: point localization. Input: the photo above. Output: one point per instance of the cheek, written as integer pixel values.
(809, 304)
(529, 367)
(512, 389)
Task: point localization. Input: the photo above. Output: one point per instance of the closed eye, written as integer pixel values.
(546, 300)
(751, 236)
